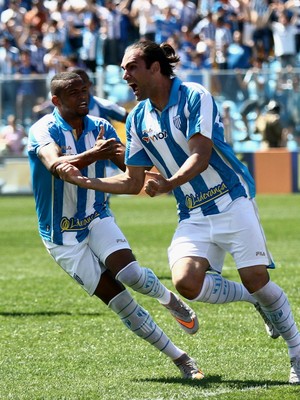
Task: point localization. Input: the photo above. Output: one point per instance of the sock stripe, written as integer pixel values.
(277, 301)
(127, 305)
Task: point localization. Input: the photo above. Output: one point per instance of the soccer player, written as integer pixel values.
(76, 225)
(177, 128)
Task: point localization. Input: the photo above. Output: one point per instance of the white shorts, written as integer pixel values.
(237, 230)
(85, 261)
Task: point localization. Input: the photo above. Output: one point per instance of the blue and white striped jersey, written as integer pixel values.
(161, 139)
(65, 211)
(104, 108)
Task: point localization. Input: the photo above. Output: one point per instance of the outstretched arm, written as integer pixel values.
(129, 182)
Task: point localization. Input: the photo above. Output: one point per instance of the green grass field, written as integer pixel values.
(58, 343)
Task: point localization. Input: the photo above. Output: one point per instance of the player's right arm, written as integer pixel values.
(129, 182)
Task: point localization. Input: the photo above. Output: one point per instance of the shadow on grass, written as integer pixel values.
(47, 314)
(211, 381)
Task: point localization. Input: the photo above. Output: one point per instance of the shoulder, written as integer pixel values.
(194, 92)
(94, 121)
(46, 121)
(137, 112)
(94, 124)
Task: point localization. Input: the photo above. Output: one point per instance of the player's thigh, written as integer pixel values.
(79, 262)
(192, 241)
(106, 238)
(241, 234)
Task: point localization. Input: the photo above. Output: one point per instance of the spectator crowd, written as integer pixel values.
(41, 38)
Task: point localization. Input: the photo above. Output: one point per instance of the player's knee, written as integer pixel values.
(254, 278)
(187, 287)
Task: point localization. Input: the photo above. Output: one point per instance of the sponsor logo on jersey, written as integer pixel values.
(149, 136)
(76, 224)
(197, 200)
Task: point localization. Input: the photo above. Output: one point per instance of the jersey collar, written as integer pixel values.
(88, 122)
(173, 98)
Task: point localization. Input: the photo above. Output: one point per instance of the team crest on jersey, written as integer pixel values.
(177, 121)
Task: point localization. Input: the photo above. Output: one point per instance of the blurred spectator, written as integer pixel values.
(54, 32)
(37, 15)
(270, 127)
(90, 38)
(14, 11)
(111, 33)
(167, 24)
(228, 122)
(284, 35)
(253, 86)
(12, 138)
(37, 52)
(223, 38)
(43, 106)
(9, 61)
(143, 13)
(293, 107)
(206, 29)
(26, 90)
(262, 35)
(54, 60)
(187, 13)
(129, 30)
(239, 56)
(294, 7)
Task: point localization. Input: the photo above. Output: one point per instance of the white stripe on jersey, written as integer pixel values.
(160, 139)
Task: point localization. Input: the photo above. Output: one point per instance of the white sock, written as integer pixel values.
(143, 280)
(218, 290)
(275, 304)
(140, 322)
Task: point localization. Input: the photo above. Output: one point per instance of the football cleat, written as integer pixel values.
(295, 371)
(188, 367)
(270, 328)
(184, 315)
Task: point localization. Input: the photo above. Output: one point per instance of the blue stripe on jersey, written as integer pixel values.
(64, 210)
(161, 140)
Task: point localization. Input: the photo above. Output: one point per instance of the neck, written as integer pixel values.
(160, 94)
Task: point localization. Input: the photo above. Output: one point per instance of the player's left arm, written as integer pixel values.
(200, 152)
(52, 156)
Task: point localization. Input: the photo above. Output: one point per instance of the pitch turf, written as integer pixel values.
(58, 343)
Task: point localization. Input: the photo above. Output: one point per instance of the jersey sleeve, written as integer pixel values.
(135, 155)
(200, 109)
(40, 134)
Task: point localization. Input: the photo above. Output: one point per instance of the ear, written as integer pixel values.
(55, 100)
(155, 67)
